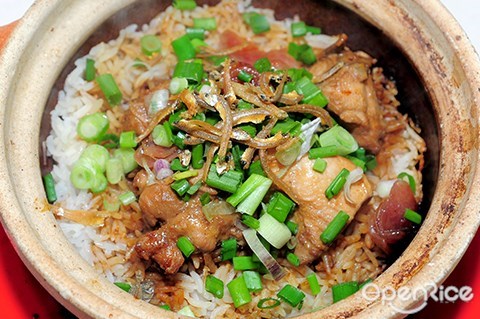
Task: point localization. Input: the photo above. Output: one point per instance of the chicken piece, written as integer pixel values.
(307, 187)
(159, 202)
(181, 219)
(136, 118)
(351, 95)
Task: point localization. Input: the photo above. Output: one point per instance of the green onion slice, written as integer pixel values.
(268, 303)
(343, 290)
(49, 185)
(334, 228)
(110, 89)
(93, 127)
(341, 138)
(411, 181)
(291, 295)
(150, 44)
(185, 246)
(413, 216)
(239, 292)
(214, 286)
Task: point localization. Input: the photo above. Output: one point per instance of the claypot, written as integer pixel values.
(417, 42)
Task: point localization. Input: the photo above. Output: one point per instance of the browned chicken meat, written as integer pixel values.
(159, 202)
(307, 187)
(346, 81)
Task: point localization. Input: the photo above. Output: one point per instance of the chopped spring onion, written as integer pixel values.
(297, 74)
(83, 173)
(339, 137)
(177, 85)
(92, 127)
(411, 181)
(358, 162)
(110, 89)
(185, 246)
(371, 162)
(413, 216)
(196, 33)
(245, 76)
(293, 227)
(276, 233)
(184, 4)
(314, 285)
(111, 206)
(285, 126)
(313, 30)
(299, 29)
(176, 165)
(198, 45)
(239, 292)
(250, 204)
(248, 187)
(256, 168)
(250, 221)
(280, 206)
(205, 23)
(214, 286)
(192, 71)
(334, 228)
(183, 48)
(262, 253)
(228, 181)
(194, 188)
(343, 290)
(197, 156)
(184, 175)
(270, 303)
(311, 92)
(244, 263)
(263, 65)
(186, 311)
(109, 141)
(127, 198)
(150, 44)
(253, 280)
(258, 22)
(165, 307)
(205, 199)
(242, 105)
(293, 259)
(291, 295)
(321, 152)
(97, 154)
(337, 184)
(181, 186)
(127, 156)
(114, 170)
(100, 184)
(289, 155)
(49, 185)
(179, 140)
(229, 249)
(90, 70)
(125, 286)
(320, 165)
(128, 139)
(303, 53)
(162, 135)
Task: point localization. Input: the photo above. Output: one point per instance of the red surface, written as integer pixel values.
(22, 296)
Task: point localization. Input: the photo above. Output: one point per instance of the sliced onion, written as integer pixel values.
(159, 101)
(384, 187)
(321, 41)
(307, 131)
(262, 253)
(352, 178)
(217, 207)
